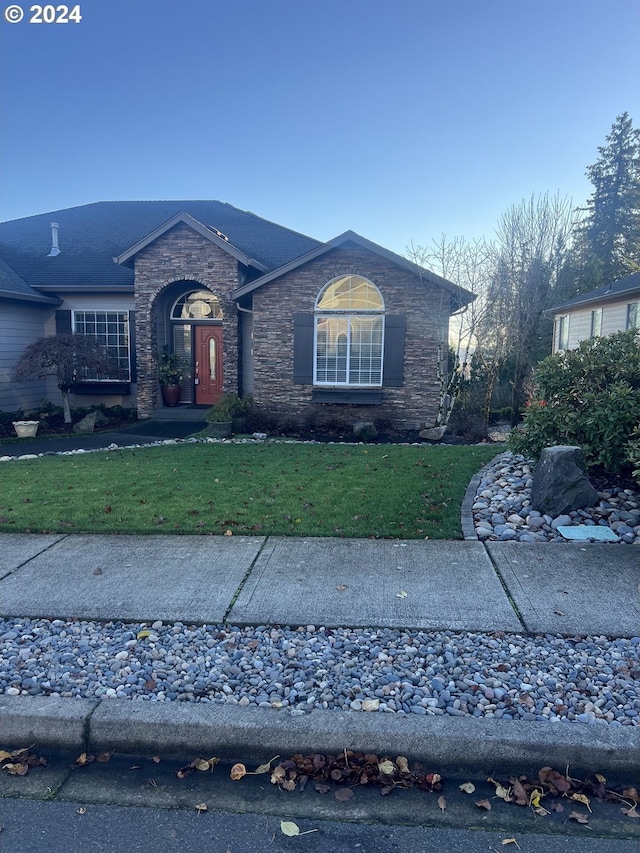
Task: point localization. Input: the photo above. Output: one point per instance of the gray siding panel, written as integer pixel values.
(20, 325)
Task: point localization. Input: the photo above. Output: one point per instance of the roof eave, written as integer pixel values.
(613, 296)
(17, 296)
(87, 288)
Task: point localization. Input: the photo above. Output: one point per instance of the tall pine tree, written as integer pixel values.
(611, 229)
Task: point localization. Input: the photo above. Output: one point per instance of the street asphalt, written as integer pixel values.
(560, 588)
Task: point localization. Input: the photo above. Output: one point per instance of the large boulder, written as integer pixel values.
(560, 483)
(365, 430)
(432, 433)
(90, 421)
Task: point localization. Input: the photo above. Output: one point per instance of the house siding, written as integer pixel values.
(425, 307)
(614, 319)
(180, 255)
(21, 324)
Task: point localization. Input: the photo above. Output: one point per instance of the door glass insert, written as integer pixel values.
(182, 349)
(212, 358)
(198, 305)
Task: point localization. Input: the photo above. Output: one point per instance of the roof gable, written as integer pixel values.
(209, 233)
(460, 296)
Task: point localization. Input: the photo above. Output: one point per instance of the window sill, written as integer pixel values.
(101, 388)
(348, 396)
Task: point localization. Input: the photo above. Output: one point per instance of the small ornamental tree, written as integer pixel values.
(64, 356)
(589, 397)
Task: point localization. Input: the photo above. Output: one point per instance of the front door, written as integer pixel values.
(207, 364)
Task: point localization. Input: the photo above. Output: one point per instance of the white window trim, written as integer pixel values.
(349, 314)
(628, 318)
(124, 311)
(562, 320)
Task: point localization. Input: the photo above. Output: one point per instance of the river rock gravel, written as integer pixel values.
(502, 507)
(507, 676)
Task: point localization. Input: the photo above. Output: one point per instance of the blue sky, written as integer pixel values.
(401, 121)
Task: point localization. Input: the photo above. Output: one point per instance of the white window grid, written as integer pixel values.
(349, 333)
(111, 330)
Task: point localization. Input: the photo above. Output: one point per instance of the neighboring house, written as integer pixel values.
(597, 314)
(248, 306)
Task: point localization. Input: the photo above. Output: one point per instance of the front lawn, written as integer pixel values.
(377, 491)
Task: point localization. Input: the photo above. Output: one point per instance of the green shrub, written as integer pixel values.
(588, 397)
(228, 408)
(633, 454)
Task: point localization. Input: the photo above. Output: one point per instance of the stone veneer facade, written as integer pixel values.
(184, 255)
(425, 306)
(181, 254)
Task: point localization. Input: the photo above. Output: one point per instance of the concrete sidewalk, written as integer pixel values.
(560, 588)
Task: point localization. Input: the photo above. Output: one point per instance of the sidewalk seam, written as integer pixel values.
(245, 578)
(506, 589)
(39, 554)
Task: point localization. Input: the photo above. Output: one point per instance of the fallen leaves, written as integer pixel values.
(20, 760)
(579, 817)
(631, 812)
(343, 773)
(442, 803)
(467, 787)
(201, 764)
(288, 827)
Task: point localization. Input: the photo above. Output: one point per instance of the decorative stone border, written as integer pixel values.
(466, 513)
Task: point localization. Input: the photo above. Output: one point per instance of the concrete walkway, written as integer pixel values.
(463, 586)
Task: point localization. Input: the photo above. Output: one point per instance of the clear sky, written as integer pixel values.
(401, 120)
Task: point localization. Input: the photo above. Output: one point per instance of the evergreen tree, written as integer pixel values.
(610, 233)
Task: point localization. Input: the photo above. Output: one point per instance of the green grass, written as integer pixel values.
(381, 491)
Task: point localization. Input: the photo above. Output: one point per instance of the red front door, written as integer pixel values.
(208, 364)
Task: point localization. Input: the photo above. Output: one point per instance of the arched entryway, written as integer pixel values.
(191, 326)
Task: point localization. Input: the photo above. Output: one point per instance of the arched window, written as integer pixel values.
(197, 305)
(349, 333)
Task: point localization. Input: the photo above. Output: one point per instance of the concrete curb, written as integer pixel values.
(466, 513)
(464, 745)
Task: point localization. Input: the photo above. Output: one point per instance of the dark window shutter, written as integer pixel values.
(393, 365)
(63, 322)
(132, 346)
(303, 349)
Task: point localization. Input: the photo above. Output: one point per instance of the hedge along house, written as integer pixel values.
(248, 307)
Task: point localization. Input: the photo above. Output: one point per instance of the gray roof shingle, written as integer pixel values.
(13, 287)
(91, 235)
(618, 288)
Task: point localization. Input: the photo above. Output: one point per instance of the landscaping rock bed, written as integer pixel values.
(502, 508)
(440, 673)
